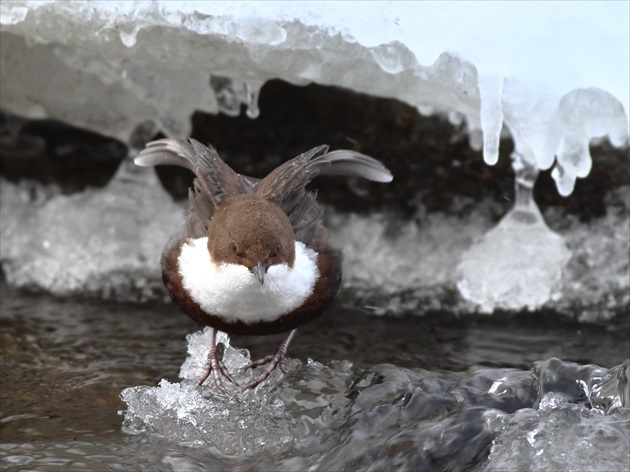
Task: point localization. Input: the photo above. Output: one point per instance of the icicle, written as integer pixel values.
(426, 110)
(584, 114)
(525, 175)
(491, 114)
(231, 94)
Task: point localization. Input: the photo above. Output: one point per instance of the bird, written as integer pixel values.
(253, 256)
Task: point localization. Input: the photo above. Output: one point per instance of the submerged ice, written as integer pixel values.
(558, 415)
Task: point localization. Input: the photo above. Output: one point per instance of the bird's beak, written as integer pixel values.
(259, 271)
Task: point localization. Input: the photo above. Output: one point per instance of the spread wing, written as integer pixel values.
(214, 181)
(285, 186)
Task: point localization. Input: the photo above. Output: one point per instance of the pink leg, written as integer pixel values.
(216, 366)
(271, 361)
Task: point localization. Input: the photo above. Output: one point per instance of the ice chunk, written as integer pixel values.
(517, 264)
(562, 432)
(198, 348)
(388, 417)
(103, 242)
(520, 262)
(270, 420)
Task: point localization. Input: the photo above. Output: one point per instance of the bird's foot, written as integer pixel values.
(270, 362)
(276, 359)
(217, 368)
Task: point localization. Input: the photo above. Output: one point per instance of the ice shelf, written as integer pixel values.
(553, 75)
(110, 66)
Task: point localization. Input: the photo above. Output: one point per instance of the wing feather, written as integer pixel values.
(285, 186)
(214, 179)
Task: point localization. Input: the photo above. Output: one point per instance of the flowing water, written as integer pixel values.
(433, 392)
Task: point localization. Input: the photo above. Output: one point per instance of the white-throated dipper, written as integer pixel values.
(253, 256)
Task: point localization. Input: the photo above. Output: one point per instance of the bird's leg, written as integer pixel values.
(216, 366)
(271, 361)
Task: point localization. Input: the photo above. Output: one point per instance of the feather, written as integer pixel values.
(214, 181)
(285, 186)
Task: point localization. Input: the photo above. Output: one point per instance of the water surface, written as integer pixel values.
(433, 391)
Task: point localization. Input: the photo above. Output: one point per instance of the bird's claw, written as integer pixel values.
(270, 361)
(216, 366)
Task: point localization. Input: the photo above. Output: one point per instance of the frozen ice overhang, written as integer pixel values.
(555, 74)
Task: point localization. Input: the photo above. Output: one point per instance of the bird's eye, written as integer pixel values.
(275, 253)
(235, 250)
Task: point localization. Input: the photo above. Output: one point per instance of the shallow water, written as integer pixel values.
(432, 393)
